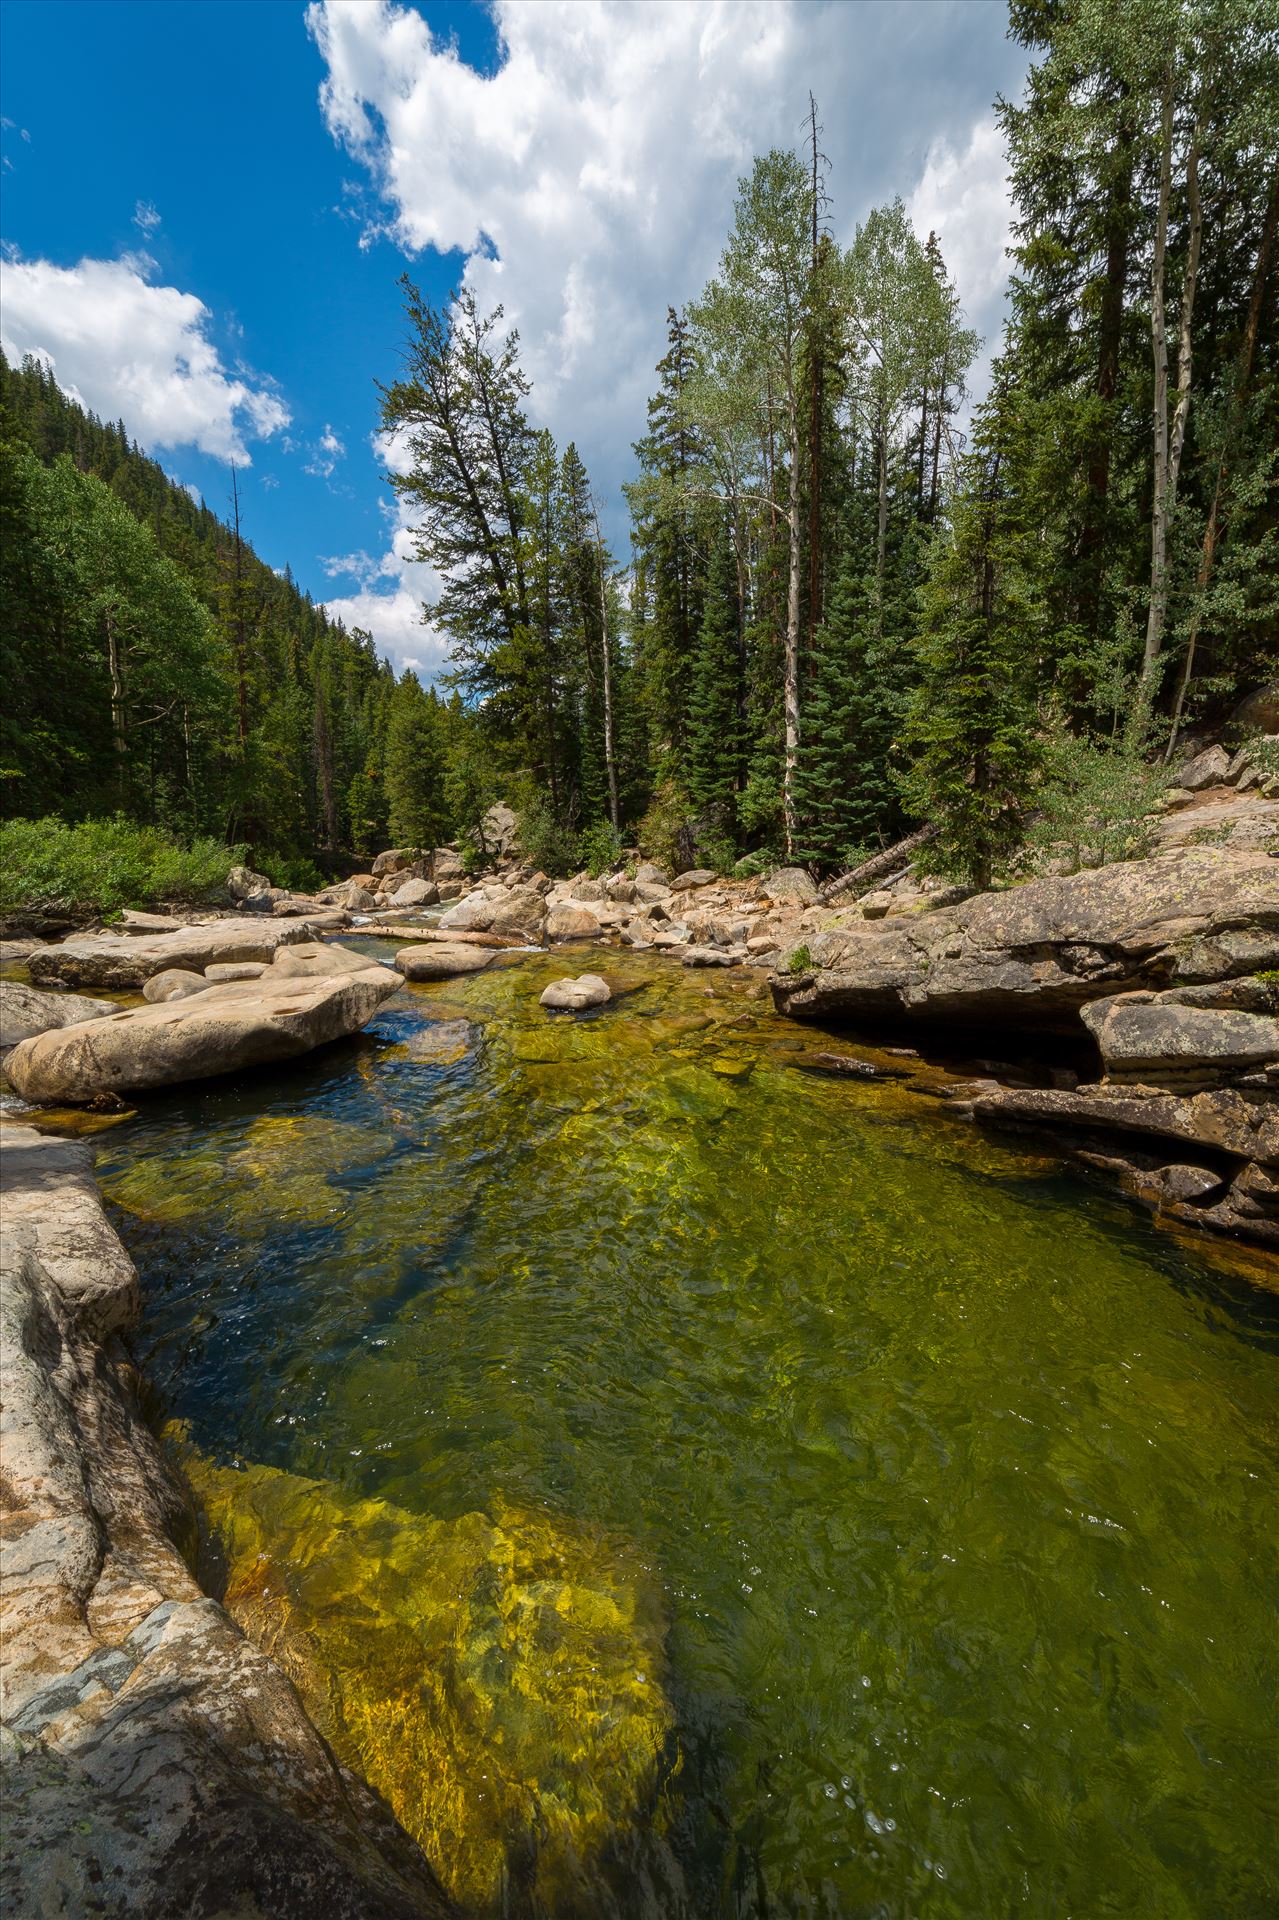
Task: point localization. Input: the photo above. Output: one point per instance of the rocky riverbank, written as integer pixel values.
(155, 1763)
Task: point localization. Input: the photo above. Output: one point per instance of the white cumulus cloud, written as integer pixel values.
(132, 350)
(588, 175)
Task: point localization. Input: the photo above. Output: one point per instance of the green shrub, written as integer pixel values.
(100, 866)
(294, 871)
(599, 848)
(753, 864)
(1096, 805)
(666, 833)
(544, 841)
(800, 961)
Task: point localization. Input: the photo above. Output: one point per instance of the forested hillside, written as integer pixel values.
(853, 602)
(155, 666)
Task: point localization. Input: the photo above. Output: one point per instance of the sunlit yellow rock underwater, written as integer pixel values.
(498, 1679)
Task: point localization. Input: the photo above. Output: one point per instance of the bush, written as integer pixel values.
(599, 848)
(100, 866)
(665, 834)
(544, 841)
(1094, 807)
(294, 871)
(753, 864)
(800, 961)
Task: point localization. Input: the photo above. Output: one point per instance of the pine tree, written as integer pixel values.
(415, 766)
(715, 744)
(972, 725)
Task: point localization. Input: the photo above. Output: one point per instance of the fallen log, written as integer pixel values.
(454, 938)
(879, 863)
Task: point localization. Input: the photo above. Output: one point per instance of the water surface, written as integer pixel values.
(690, 1486)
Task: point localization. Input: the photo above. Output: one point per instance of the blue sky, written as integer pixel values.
(206, 244)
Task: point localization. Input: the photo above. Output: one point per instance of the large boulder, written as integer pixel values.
(313, 960)
(397, 859)
(442, 960)
(1207, 769)
(350, 895)
(790, 884)
(242, 883)
(25, 1011)
(1037, 953)
(106, 960)
(523, 911)
(694, 877)
(472, 914)
(501, 829)
(575, 996)
(416, 893)
(154, 1762)
(221, 1030)
(569, 922)
(1154, 1040)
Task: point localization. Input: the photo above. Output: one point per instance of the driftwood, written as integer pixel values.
(455, 937)
(881, 863)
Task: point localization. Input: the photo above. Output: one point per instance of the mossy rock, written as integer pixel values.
(498, 1677)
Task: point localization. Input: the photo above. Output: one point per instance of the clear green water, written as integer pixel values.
(927, 1491)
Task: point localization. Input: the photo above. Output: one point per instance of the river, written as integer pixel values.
(689, 1485)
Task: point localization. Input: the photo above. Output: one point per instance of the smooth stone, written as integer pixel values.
(790, 883)
(313, 960)
(25, 1011)
(416, 893)
(442, 960)
(523, 911)
(100, 960)
(222, 1029)
(695, 877)
(568, 922)
(574, 996)
(134, 922)
(175, 983)
(223, 970)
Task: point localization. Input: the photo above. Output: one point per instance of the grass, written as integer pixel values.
(801, 960)
(101, 866)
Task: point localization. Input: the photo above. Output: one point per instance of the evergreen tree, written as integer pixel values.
(972, 727)
(415, 766)
(715, 743)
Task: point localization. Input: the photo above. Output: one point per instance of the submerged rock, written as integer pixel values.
(575, 996)
(25, 1011)
(154, 1762)
(496, 1677)
(219, 1030)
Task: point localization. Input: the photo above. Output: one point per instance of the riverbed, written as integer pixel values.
(685, 1484)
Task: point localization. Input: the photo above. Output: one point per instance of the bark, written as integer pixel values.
(606, 654)
(1208, 551)
(790, 683)
(1092, 541)
(880, 863)
(119, 729)
(1168, 448)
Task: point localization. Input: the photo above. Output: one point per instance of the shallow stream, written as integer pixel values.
(690, 1486)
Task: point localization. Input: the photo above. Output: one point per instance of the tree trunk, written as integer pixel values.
(1092, 539)
(879, 863)
(1208, 552)
(606, 654)
(119, 728)
(1169, 448)
(791, 666)
(1159, 345)
(881, 532)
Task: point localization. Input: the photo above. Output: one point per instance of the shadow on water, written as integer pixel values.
(686, 1486)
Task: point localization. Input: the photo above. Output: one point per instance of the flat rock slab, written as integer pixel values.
(1224, 1119)
(1037, 953)
(25, 1011)
(222, 1030)
(443, 961)
(100, 960)
(51, 1204)
(131, 921)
